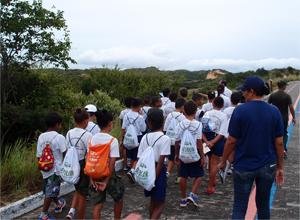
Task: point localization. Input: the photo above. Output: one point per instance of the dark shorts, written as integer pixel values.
(171, 157)
(132, 154)
(158, 193)
(51, 186)
(83, 184)
(219, 146)
(115, 189)
(191, 170)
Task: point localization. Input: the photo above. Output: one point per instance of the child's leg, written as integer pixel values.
(182, 186)
(97, 211)
(46, 205)
(124, 157)
(118, 206)
(157, 209)
(213, 171)
(196, 185)
(170, 166)
(80, 206)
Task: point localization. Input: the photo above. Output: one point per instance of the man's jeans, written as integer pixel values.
(243, 182)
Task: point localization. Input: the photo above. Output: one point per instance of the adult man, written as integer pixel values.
(283, 102)
(256, 136)
(227, 92)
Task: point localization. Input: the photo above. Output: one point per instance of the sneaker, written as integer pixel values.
(167, 174)
(130, 176)
(70, 215)
(183, 202)
(194, 199)
(62, 204)
(222, 175)
(45, 217)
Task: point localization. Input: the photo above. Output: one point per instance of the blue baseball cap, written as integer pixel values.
(253, 82)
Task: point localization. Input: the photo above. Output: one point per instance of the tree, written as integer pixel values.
(30, 36)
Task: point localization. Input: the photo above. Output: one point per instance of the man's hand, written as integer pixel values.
(279, 177)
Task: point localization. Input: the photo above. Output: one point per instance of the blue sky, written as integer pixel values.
(235, 35)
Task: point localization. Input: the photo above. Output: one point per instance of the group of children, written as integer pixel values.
(177, 129)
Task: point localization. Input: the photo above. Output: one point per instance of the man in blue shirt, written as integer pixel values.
(256, 137)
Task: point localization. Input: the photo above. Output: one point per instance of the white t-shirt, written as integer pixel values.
(58, 146)
(72, 138)
(215, 121)
(92, 128)
(137, 120)
(227, 101)
(207, 107)
(227, 92)
(165, 100)
(194, 126)
(177, 115)
(144, 111)
(103, 138)
(161, 147)
(228, 111)
(168, 108)
(123, 113)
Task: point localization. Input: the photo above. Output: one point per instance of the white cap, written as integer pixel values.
(90, 108)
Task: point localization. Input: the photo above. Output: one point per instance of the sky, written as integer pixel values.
(235, 35)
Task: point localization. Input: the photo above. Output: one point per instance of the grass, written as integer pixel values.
(19, 174)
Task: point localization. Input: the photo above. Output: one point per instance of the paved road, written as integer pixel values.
(286, 204)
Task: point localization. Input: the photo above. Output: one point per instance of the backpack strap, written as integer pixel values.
(197, 128)
(92, 128)
(77, 140)
(132, 123)
(154, 141)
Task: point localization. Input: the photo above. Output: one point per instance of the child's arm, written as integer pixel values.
(200, 150)
(212, 142)
(159, 165)
(177, 147)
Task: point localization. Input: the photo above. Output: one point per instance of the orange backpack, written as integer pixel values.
(97, 160)
(46, 161)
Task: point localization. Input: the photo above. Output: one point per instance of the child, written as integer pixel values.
(161, 146)
(206, 107)
(111, 184)
(51, 178)
(220, 93)
(156, 102)
(235, 99)
(146, 107)
(183, 93)
(170, 107)
(165, 99)
(92, 127)
(194, 169)
(127, 103)
(214, 131)
(177, 114)
(197, 99)
(136, 119)
(79, 138)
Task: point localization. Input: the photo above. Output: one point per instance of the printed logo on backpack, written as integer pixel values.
(130, 139)
(46, 161)
(70, 171)
(188, 152)
(97, 160)
(144, 172)
(171, 130)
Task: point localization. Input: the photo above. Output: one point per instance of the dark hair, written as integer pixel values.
(53, 119)
(211, 95)
(173, 96)
(127, 102)
(103, 118)
(154, 100)
(236, 97)
(196, 96)
(281, 84)
(218, 102)
(155, 119)
(190, 108)
(220, 89)
(166, 92)
(147, 100)
(183, 92)
(179, 102)
(136, 102)
(223, 82)
(80, 115)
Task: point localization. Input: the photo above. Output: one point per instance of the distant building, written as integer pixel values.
(213, 74)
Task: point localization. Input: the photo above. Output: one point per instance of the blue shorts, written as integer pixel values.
(132, 154)
(51, 186)
(158, 193)
(191, 170)
(219, 146)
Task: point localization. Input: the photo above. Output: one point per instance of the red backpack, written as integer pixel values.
(46, 161)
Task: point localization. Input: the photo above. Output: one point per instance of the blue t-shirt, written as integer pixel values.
(255, 125)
